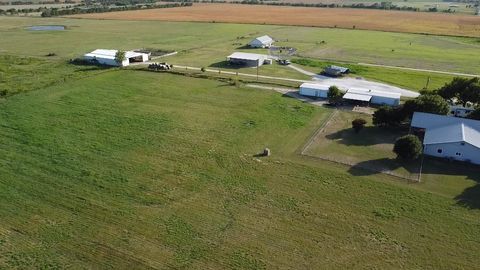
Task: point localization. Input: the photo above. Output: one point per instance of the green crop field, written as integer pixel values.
(131, 169)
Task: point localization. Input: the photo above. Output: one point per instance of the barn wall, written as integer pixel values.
(311, 92)
(385, 100)
(467, 151)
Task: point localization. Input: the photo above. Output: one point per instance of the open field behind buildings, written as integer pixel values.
(394, 21)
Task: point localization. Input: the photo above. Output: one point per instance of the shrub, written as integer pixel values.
(358, 124)
(408, 147)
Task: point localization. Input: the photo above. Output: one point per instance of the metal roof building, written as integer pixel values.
(373, 96)
(247, 59)
(335, 70)
(314, 89)
(261, 42)
(449, 137)
(107, 57)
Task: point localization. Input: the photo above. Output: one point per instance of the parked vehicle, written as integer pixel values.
(284, 62)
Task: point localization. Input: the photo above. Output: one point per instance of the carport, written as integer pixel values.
(357, 99)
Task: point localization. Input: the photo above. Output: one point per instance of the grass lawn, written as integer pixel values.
(370, 148)
(412, 80)
(131, 169)
(207, 43)
(19, 74)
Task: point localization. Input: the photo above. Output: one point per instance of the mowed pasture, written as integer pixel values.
(392, 21)
(205, 44)
(131, 169)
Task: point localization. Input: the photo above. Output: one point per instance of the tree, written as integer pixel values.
(119, 57)
(461, 90)
(388, 116)
(426, 103)
(408, 147)
(334, 95)
(358, 124)
(475, 115)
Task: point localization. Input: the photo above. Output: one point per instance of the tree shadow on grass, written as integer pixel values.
(386, 165)
(470, 197)
(370, 135)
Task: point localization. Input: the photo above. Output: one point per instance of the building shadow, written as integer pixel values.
(385, 165)
(226, 65)
(470, 197)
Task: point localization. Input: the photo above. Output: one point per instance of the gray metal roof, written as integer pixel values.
(447, 129)
(248, 56)
(359, 97)
(337, 68)
(375, 93)
(430, 120)
(264, 39)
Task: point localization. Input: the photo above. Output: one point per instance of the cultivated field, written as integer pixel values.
(132, 169)
(395, 21)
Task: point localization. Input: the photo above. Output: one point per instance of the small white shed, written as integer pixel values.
(314, 90)
(261, 42)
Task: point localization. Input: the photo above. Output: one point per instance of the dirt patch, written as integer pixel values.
(395, 21)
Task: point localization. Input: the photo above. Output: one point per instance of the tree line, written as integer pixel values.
(382, 5)
(51, 12)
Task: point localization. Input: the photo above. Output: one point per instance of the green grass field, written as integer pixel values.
(132, 169)
(128, 169)
(204, 44)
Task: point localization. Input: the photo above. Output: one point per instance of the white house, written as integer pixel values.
(373, 96)
(449, 137)
(248, 59)
(314, 89)
(107, 57)
(261, 42)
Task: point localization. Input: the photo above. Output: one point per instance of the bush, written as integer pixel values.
(334, 95)
(358, 124)
(408, 147)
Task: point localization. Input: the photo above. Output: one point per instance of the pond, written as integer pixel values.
(46, 28)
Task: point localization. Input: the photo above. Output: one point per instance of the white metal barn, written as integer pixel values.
(449, 137)
(107, 57)
(261, 42)
(373, 96)
(248, 59)
(314, 90)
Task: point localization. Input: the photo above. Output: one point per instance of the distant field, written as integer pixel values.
(395, 21)
(206, 43)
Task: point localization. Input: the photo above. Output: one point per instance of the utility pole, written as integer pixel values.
(428, 82)
(258, 64)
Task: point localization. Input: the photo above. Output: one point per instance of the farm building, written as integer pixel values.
(314, 90)
(335, 71)
(248, 59)
(261, 42)
(373, 96)
(107, 57)
(449, 137)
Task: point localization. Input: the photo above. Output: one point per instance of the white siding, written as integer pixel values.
(384, 100)
(467, 151)
(312, 92)
(106, 61)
